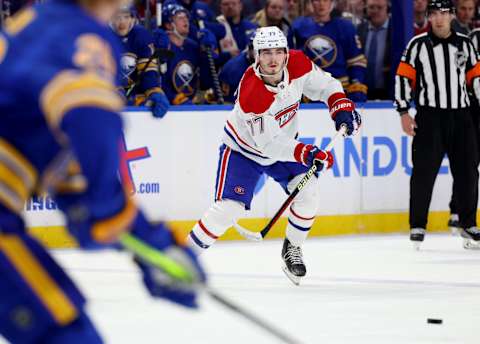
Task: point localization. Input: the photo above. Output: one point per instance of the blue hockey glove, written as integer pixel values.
(207, 39)
(170, 269)
(158, 103)
(343, 112)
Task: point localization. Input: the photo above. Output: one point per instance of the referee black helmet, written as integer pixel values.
(441, 5)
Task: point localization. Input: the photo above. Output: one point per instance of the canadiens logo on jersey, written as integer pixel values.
(285, 116)
(322, 50)
(182, 77)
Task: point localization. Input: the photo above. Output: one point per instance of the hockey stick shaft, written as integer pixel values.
(310, 173)
(213, 70)
(280, 335)
(162, 261)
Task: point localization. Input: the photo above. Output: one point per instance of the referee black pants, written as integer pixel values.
(443, 132)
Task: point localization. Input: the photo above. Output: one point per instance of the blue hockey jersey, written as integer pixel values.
(59, 127)
(138, 65)
(231, 74)
(186, 72)
(335, 47)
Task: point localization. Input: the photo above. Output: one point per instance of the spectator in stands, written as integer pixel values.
(199, 12)
(237, 29)
(421, 23)
(352, 10)
(298, 8)
(139, 65)
(181, 80)
(376, 36)
(333, 44)
(273, 14)
(465, 13)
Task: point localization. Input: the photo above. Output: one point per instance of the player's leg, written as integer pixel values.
(453, 221)
(237, 177)
(428, 150)
(462, 154)
(38, 301)
(300, 218)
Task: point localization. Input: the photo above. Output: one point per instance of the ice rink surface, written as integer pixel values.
(358, 289)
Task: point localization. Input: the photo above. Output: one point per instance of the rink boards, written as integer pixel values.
(170, 166)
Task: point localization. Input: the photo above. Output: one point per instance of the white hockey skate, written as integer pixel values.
(471, 238)
(416, 237)
(293, 265)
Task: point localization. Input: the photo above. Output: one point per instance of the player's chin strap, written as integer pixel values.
(256, 68)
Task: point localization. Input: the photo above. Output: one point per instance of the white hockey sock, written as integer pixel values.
(218, 218)
(298, 227)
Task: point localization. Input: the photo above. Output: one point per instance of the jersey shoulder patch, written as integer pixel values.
(254, 96)
(298, 64)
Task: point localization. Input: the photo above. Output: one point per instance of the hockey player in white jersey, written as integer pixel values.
(260, 137)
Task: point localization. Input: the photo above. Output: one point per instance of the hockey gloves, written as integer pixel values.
(309, 155)
(170, 269)
(207, 39)
(158, 103)
(343, 111)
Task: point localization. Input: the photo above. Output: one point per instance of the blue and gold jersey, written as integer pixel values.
(58, 112)
(334, 46)
(138, 65)
(231, 74)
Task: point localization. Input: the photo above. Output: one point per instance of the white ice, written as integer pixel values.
(367, 289)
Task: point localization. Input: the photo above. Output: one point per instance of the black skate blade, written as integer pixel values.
(295, 279)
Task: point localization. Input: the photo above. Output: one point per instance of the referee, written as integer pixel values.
(438, 70)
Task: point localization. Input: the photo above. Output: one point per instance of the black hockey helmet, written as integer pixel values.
(440, 5)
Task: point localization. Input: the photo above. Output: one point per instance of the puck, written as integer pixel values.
(434, 321)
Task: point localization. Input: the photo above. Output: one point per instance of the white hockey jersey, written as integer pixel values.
(263, 123)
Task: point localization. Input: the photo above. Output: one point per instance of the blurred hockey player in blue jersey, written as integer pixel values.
(199, 12)
(232, 72)
(333, 44)
(60, 133)
(139, 66)
(188, 70)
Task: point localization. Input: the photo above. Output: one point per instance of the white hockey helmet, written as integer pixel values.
(269, 37)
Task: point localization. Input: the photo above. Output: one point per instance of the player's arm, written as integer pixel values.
(320, 85)
(405, 83)
(406, 78)
(356, 65)
(473, 70)
(147, 71)
(81, 107)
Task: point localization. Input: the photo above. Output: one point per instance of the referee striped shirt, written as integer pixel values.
(437, 73)
(475, 37)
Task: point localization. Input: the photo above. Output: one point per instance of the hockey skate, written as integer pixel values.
(471, 238)
(416, 237)
(293, 265)
(454, 224)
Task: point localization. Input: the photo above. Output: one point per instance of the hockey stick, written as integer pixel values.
(171, 267)
(258, 236)
(158, 53)
(213, 70)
